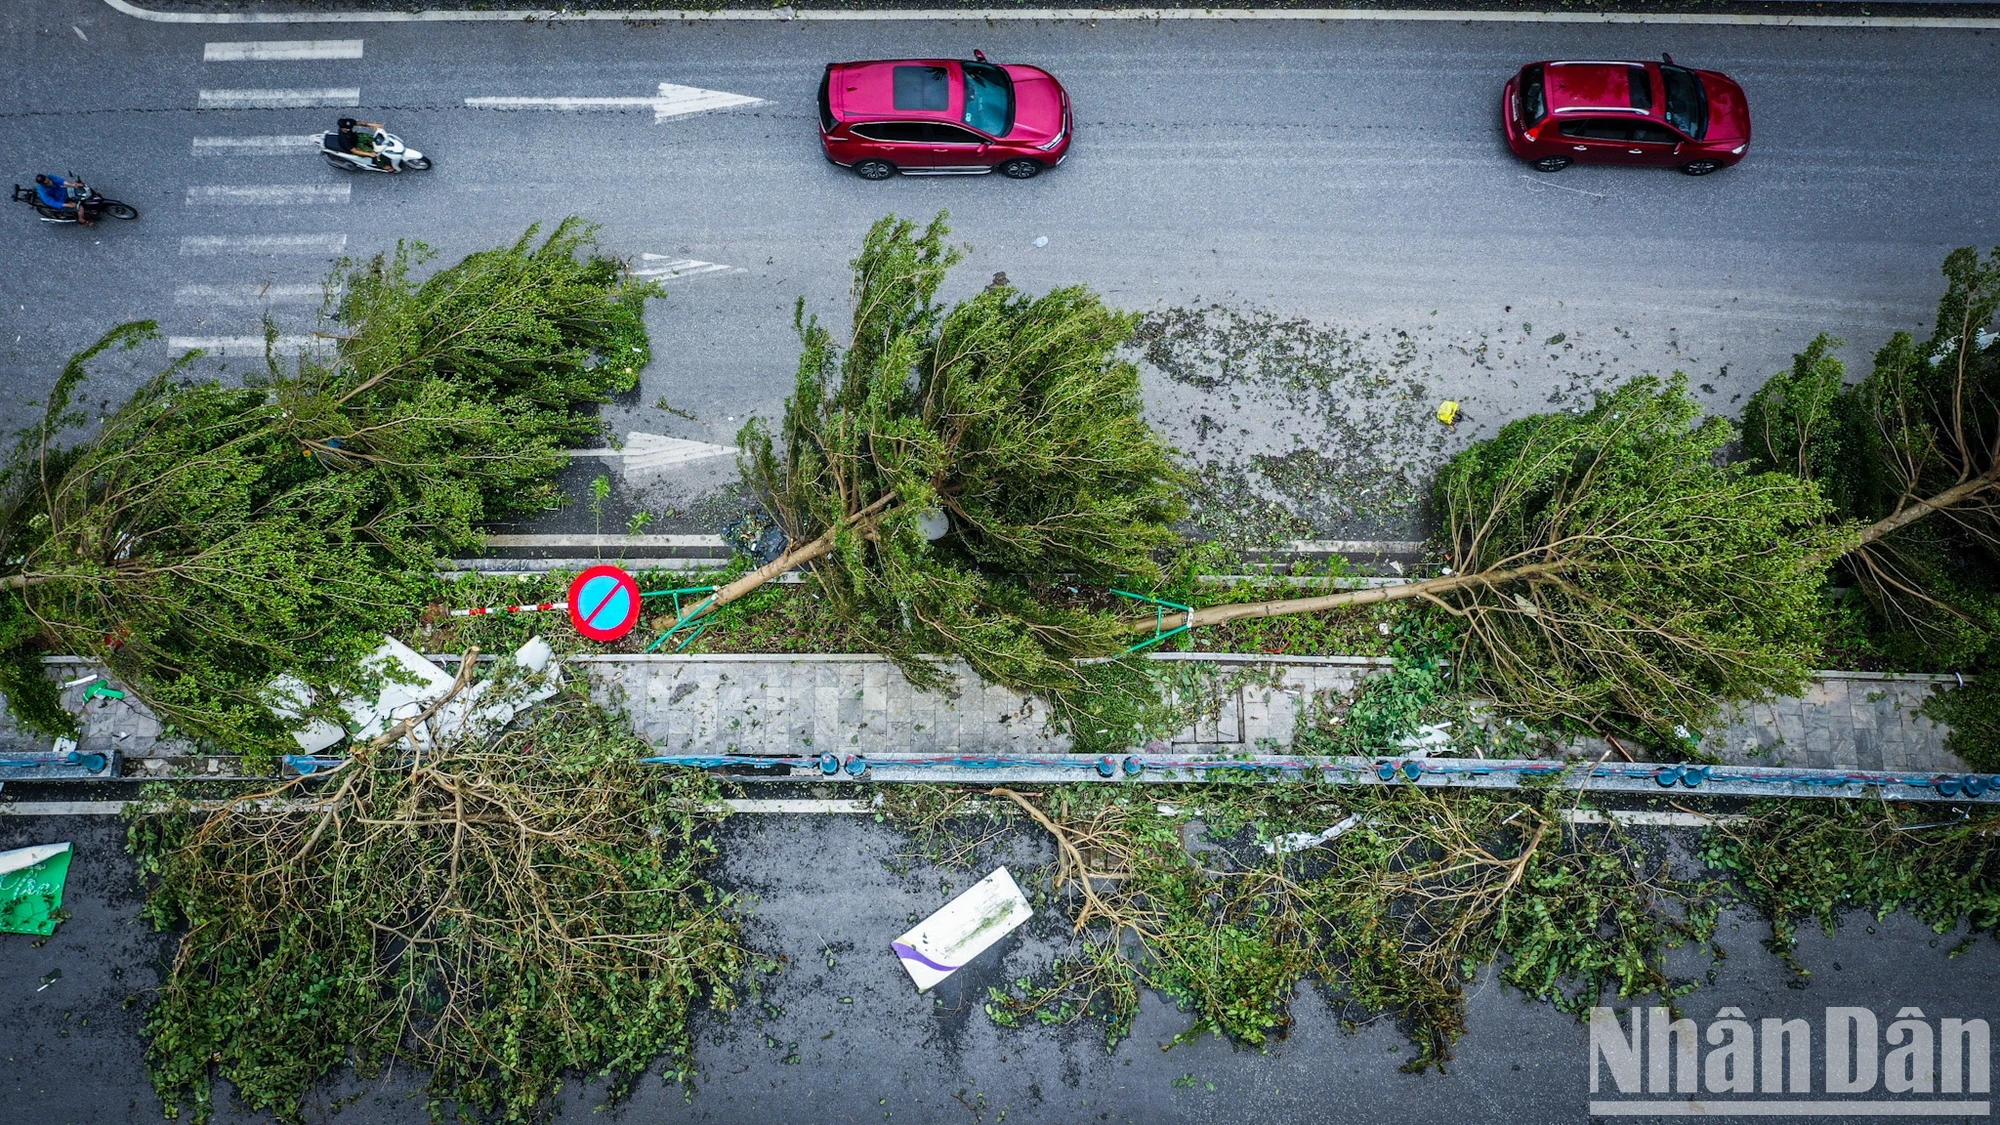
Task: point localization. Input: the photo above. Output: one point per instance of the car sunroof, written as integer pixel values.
(922, 87)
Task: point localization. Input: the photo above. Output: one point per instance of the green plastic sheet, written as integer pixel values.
(31, 888)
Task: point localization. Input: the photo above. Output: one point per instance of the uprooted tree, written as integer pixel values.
(945, 470)
(504, 912)
(209, 536)
(1609, 572)
(1912, 452)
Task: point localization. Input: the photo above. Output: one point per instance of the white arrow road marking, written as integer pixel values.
(208, 245)
(282, 50)
(247, 296)
(302, 144)
(670, 268)
(267, 195)
(278, 99)
(671, 101)
(652, 453)
(245, 345)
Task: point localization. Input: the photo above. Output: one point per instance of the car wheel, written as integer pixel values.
(874, 169)
(1021, 169)
(1552, 163)
(1700, 167)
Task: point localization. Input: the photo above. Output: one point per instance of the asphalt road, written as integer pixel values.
(1351, 174)
(865, 1047)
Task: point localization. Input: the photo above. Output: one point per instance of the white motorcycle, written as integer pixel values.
(379, 149)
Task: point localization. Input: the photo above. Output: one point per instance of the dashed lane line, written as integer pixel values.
(302, 144)
(245, 345)
(211, 245)
(282, 50)
(1066, 15)
(247, 296)
(278, 99)
(267, 195)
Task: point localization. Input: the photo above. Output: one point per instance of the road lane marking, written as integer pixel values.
(282, 50)
(303, 144)
(670, 268)
(210, 245)
(278, 99)
(670, 101)
(248, 296)
(245, 345)
(267, 195)
(1065, 15)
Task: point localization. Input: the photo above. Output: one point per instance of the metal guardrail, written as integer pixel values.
(1143, 769)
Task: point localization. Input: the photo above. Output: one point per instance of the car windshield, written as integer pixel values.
(1687, 104)
(989, 99)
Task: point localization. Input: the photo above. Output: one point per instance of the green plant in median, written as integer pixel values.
(504, 914)
(208, 537)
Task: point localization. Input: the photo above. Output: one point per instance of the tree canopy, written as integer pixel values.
(1912, 451)
(209, 536)
(949, 468)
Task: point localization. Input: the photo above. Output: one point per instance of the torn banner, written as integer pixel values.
(31, 888)
(962, 929)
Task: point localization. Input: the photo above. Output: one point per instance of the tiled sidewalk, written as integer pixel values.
(803, 704)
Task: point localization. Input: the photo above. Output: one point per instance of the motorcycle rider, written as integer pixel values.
(59, 194)
(363, 144)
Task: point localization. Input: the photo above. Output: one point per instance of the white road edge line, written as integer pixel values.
(837, 807)
(1072, 15)
(281, 50)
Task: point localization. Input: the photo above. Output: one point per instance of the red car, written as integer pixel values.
(1657, 114)
(943, 117)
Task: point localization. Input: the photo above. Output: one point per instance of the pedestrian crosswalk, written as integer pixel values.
(240, 271)
(289, 144)
(338, 96)
(282, 50)
(267, 195)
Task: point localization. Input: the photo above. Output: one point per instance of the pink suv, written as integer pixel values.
(1657, 114)
(943, 117)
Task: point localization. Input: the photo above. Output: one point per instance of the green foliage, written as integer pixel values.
(1804, 422)
(1801, 862)
(503, 914)
(1393, 915)
(208, 537)
(1623, 578)
(1924, 422)
(1012, 418)
(1972, 711)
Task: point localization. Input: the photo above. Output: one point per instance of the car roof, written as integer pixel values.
(868, 89)
(1594, 87)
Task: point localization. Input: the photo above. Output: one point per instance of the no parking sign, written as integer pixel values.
(604, 603)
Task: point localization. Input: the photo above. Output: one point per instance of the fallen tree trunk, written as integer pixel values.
(1429, 587)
